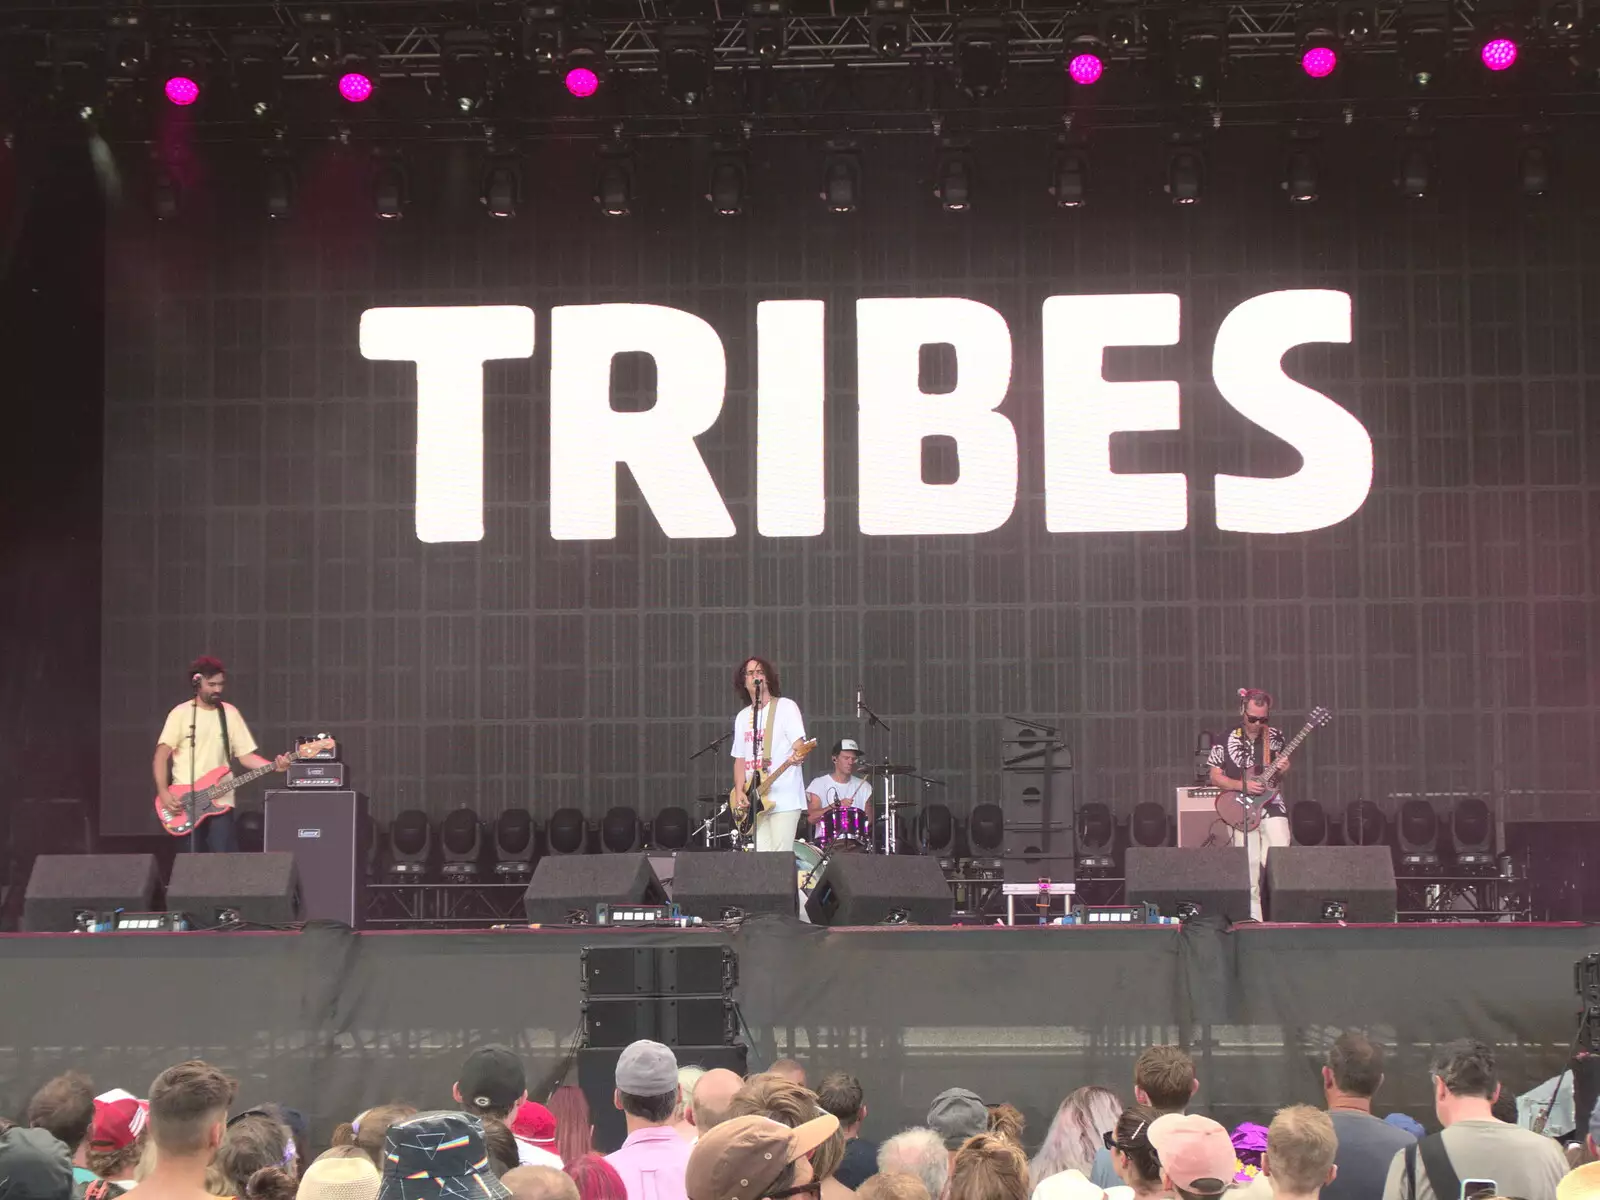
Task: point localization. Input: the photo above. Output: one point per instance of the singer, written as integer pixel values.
(841, 789)
(765, 734)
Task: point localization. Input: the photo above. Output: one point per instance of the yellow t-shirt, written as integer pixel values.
(208, 739)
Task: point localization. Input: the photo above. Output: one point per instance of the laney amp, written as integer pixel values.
(328, 834)
(315, 775)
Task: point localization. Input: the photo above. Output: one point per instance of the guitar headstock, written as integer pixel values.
(804, 746)
(1318, 717)
(323, 741)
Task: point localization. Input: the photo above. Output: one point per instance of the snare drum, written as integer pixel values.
(807, 865)
(844, 829)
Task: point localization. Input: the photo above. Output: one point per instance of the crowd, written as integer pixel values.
(694, 1134)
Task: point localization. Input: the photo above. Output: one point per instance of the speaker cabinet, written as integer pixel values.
(1217, 880)
(566, 882)
(61, 884)
(264, 889)
(865, 889)
(706, 883)
(1301, 880)
(329, 835)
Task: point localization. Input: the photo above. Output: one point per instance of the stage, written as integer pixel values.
(332, 1021)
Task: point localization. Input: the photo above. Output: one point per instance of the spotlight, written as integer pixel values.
(1085, 67)
(1148, 825)
(181, 90)
(410, 843)
(257, 73)
(1300, 178)
(584, 66)
(986, 828)
(1069, 178)
(953, 179)
(890, 26)
(1319, 44)
(466, 69)
(127, 48)
(841, 180)
(1418, 833)
(1308, 823)
(672, 828)
(1364, 824)
(581, 81)
(355, 87)
(1097, 830)
(542, 28)
(1424, 40)
(1498, 53)
(686, 63)
(619, 831)
(1356, 23)
(613, 185)
(569, 832)
(1319, 61)
(728, 185)
(1416, 169)
(461, 835)
(502, 189)
(388, 191)
(1202, 41)
(319, 39)
(765, 34)
(1533, 170)
(1472, 832)
(1186, 174)
(980, 55)
(514, 843)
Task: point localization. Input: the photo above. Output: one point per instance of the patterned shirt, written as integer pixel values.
(1240, 751)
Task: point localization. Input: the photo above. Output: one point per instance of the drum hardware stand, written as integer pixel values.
(890, 838)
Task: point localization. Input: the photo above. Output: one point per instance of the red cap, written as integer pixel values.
(534, 1123)
(119, 1118)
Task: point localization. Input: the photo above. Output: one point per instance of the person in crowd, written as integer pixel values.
(1164, 1079)
(957, 1115)
(64, 1108)
(435, 1155)
(1301, 1145)
(349, 1177)
(188, 1116)
(653, 1159)
(1366, 1145)
(492, 1083)
(1132, 1156)
(34, 1164)
(893, 1186)
(257, 1157)
(501, 1145)
(1197, 1156)
(535, 1124)
(574, 1125)
(1581, 1183)
(368, 1131)
(540, 1183)
(1007, 1121)
(790, 1069)
(753, 1157)
(338, 1152)
(989, 1167)
(596, 1179)
(790, 1104)
(1474, 1145)
(116, 1142)
(712, 1096)
(1076, 1133)
(917, 1151)
(683, 1114)
(841, 1095)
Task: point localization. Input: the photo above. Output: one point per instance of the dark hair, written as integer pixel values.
(254, 1144)
(182, 1099)
(64, 1108)
(841, 1095)
(650, 1108)
(1465, 1067)
(270, 1183)
(206, 666)
(1356, 1063)
(1133, 1139)
(368, 1131)
(501, 1145)
(597, 1179)
(774, 685)
(1166, 1075)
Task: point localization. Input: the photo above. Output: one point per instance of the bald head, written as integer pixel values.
(712, 1096)
(788, 1068)
(539, 1183)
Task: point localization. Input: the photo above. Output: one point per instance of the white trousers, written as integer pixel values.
(1273, 831)
(775, 830)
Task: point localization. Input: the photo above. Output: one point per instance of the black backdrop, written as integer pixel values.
(259, 476)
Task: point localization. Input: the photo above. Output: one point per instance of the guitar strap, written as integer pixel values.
(766, 734)
(227, 750)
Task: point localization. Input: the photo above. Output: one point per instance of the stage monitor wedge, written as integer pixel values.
(63, 884)
(1215, 879)
(264, 889)
(1303, 881)
(564, 884)
(870, 889)
(705, 884)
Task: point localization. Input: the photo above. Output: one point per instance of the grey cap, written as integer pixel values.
(957, 1115)
(647, 1069)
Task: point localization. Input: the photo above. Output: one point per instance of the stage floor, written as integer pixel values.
(332, 1020)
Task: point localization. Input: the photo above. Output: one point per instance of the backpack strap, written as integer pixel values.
(1411, 1172)
(1442, 1175)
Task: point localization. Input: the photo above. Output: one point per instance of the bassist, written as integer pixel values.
(1247, 751)
(764, 736)
(195, 741)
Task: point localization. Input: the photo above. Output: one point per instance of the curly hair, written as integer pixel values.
(989, 1167)
(792, 1105)
(1007, 1121)
(774, 685)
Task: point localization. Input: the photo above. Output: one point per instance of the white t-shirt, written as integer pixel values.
(788, 794)
(827, 789)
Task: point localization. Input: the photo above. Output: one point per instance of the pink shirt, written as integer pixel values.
(652, 1162)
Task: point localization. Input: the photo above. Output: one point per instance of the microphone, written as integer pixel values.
(858, 704)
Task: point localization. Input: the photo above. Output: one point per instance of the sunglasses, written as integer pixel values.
(1110, 1139)
(1256, 720)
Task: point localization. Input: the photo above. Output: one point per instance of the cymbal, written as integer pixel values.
(884, 769)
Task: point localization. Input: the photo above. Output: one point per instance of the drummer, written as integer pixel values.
(841, 788)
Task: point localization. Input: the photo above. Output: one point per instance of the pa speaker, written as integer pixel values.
(869, 889)
(264, 889)
(1305, 880)
(705, 884)
(1215, 880)
(62, 884)
(564, 883)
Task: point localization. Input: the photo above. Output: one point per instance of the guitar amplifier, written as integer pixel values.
(1195, 817)
(315, 774)
(327, 834)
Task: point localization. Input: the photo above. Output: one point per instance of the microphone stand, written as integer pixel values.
(708, 748)
(890, 843)
(194, 746)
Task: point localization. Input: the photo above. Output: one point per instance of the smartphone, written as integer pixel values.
(1471, 1188)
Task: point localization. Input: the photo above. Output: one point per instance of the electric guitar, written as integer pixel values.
(757, 785)
(1243, 811)
(201, 801)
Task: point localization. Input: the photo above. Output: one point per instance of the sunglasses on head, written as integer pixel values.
(1110, 1139)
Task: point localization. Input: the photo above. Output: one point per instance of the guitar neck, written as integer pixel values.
(1271, 772)
(225, 786)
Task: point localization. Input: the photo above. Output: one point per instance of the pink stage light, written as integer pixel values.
(582, 82)
(1319, 62)
(182, 90)
(355, 87)
(1085, 68)
(1499, 53)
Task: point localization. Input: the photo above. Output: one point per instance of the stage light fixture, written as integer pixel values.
(182, 90)
(1418, 832)
(1364, 824)
(613, 184)
(543, 33)
(620, 832)
(1097, 833)
(1308, 823)
(890, 27)
(467, 61)
(1416, 168)
(127, 45)
(1148, 825)
(841, 180)
(257, 61)
(1201, 38)
(1356, 23)
(1300, 174)
(936, 828)
(1333, 911)
(568, 832)
(319, 38)
(581, 80)
(986, 827)
(410, 843)
(953, 176)
(686, 63)
(355, 87)
(461, 837)
(765, 29)
(672, 829)
(388, 191)
(1424, 40)
(1533, 170)
(1319, 61)
(981, 54)
(502, 189)
(1186, 174)
(1498, 52)
(1069, 177)
(515, 843)
(1318, 42)
(727, 189)
(1085, 67)
(1472, 833)
(583, 67)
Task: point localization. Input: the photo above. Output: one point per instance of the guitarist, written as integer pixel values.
(764, 734)
(1247, 751)
(193, 741)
